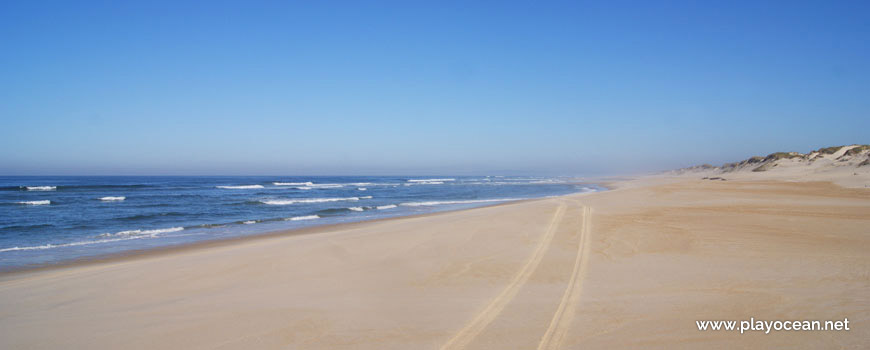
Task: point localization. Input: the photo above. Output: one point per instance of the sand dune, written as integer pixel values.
(630, 268)
(847, 166)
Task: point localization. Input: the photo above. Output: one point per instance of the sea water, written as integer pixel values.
(46, 220)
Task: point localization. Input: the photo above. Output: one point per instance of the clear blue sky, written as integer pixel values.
(414, 87)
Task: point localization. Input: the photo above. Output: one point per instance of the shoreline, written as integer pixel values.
(145, 253)
(59, 255)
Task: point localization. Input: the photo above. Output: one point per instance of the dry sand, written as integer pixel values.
(630, 268)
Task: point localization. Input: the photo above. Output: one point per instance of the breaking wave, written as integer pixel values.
(309, 200)
(431, 203)
(41, 188)
(430, 180)
(109, 237)
(240, 187)
(306, 217)
(43, 202)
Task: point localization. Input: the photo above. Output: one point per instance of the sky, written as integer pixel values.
(424, 87)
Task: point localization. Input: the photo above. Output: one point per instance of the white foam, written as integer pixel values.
(249, 222)
(73, 244)
(41, 188)
(44, 202)
(293, 183)
(120, 236)
(326, 185)
(112, 199)
(362, 189)
(142, 232)
(356, 208)
(309, 200)
(306, 217)
(390, 206)
(431, 180)
(241, 187)
(431, 203)
(319, 186)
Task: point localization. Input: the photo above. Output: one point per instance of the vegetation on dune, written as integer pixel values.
(829, 150)
(783, 155)
(770, 161)
(857, 150)
(764, 167)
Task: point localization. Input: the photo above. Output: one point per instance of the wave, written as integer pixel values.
(24, 228)
(293, 183)
(430, 180)
(306, 217)
(249, 222)
(389, 206)
(43, 202)
(309, 200)
(240, 187)
(131, 233)
(212, 225)
(41, 188)
(356, 208)
(431, 203)
(120, 236)
(319, 186)
(149, 216)
(113, 199)
(361, 189)
(70, 187)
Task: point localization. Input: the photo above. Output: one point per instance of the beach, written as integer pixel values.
(632, 267)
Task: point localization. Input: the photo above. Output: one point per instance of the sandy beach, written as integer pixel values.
(435, 175)
(633, 267)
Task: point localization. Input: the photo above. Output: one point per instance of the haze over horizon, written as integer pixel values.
(398, 88)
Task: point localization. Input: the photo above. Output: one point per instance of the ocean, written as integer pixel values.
(48, 220)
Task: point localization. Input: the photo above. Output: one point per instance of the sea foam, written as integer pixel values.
(431, 203)
(241, 187)
(131, 233)
(113, 237)
(319, 186)
(293, 183)
(306, 217)
(41, 188)
(309, 200)
(43, 202)
(431, 180)
(112, 199)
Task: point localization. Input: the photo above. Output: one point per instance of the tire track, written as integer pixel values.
(465, 335)
(555, 334)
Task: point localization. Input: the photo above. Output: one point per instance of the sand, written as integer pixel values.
(630, 268)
